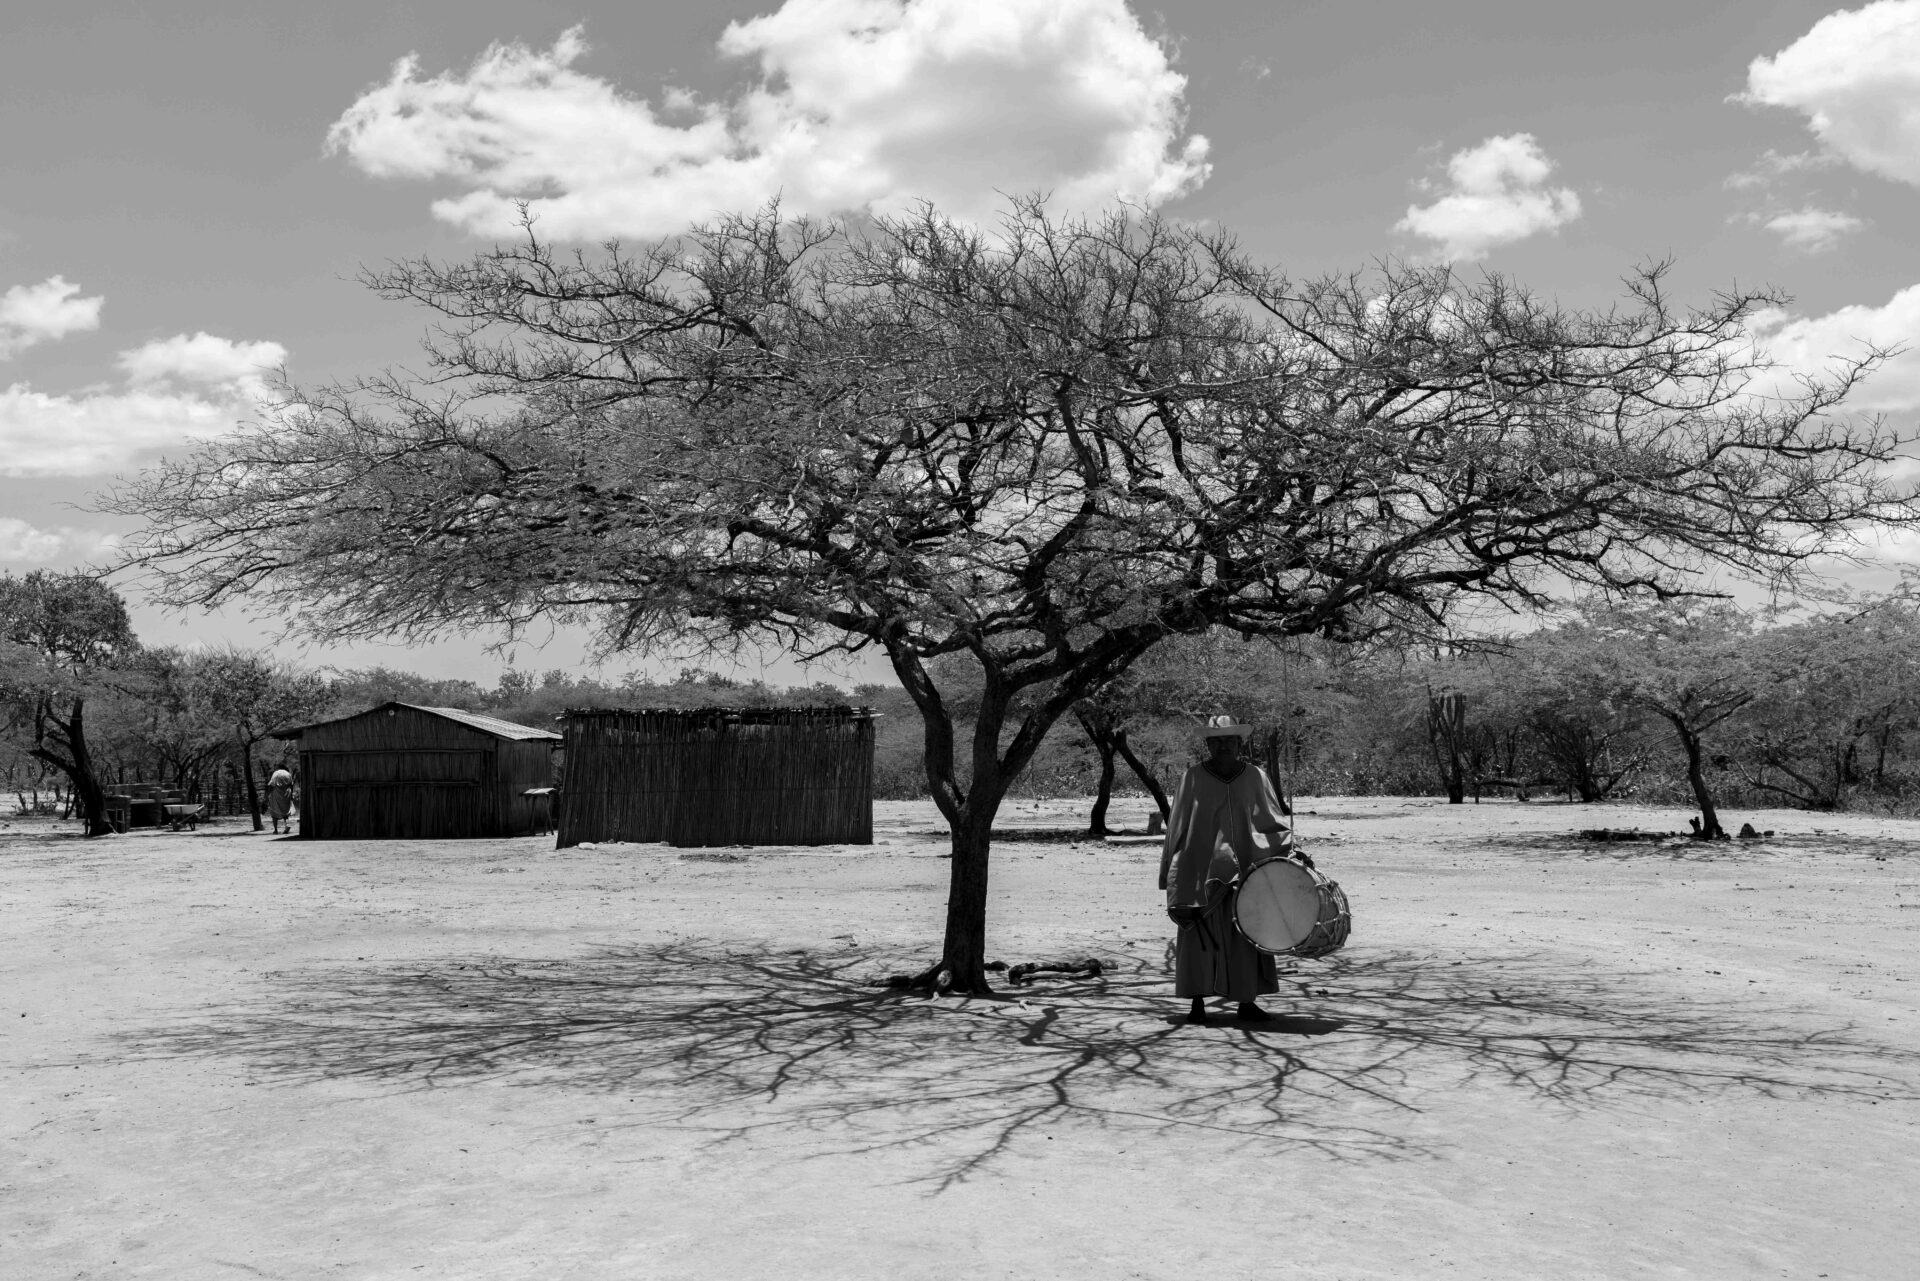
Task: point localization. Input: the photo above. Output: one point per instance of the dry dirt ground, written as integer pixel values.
(228, 1055)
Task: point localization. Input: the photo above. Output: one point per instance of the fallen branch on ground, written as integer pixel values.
(938, 979)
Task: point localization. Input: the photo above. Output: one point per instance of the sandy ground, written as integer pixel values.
(227, 1055)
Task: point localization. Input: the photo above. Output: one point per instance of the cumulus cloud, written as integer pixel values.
(1856, 77)
(53, 308)
(178, 389)
(202, 360)
(21, 543)
(1494, 194)
(1811, 230)
(1814, 344)
(854, 105)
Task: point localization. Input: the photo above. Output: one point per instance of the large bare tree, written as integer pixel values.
(1043, 450)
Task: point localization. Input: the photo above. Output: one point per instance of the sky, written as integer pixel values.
(189, 192)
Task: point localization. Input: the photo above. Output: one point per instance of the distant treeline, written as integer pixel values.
(1678, 702)
(1675, 702)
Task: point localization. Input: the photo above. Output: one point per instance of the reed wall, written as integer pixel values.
(736, 776)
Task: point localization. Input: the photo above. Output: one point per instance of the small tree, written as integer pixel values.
(1587, 745)
(250, 695)
(1582, 728)
(1104, 717)
(1045, 452)
(62, 636)
(163, 716)
(1692, 664)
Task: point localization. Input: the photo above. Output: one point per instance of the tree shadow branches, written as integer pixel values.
(1678, 847)
(737, 1042)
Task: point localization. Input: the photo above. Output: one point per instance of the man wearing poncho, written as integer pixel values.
(280, 800)
(1209, 847)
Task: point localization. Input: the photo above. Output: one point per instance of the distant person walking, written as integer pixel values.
(1209, 846)
(280, 800)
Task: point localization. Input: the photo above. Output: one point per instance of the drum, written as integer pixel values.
(1286, 909)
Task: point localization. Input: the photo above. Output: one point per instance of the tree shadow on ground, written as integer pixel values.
(1682, 848)
(738, 1041)
(30, 840)
(1023, 835)
(1337, 817)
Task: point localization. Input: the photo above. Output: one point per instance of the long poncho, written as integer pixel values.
(280, 795)
(1210, 841)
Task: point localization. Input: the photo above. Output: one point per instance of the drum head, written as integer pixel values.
(1278, 905)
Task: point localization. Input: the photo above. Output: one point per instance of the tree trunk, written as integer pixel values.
(1097, 821)
(253, 787)
(87, 798)
(1446, 734)
(1710, 829)
(1141, 772)
(91, 801)
(1101, 737)
(963, 953)
(962, 967)
(1584, 780)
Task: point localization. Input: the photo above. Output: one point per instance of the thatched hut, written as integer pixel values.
(406, 772)
(719, 776)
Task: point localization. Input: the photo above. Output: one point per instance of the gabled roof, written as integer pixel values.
(472, 720)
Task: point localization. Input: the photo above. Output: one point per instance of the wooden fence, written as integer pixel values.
(714, 776)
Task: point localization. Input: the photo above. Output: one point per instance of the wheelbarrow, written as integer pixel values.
(181, 813)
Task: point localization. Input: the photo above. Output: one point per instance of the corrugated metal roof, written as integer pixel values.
(491, 724)
(473, 720)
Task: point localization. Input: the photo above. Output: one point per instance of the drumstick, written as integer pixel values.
(1286, 794)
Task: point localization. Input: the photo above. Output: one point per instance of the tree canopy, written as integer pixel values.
(1044, 450)
(62, 637)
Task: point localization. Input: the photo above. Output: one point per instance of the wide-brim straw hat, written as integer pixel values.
(1223, 726)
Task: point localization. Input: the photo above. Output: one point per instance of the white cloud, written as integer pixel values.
(1813, 344)
(1773, 165)
(1895, 543)
(1856, 77)
(94, 433)
(1811, 230)
(179, 389)
(202, 360)
(856, 104)
(1495, 194)
(21, 543)
(32, 314)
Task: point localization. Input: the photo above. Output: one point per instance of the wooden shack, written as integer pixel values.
(718, 776)
(401, 772)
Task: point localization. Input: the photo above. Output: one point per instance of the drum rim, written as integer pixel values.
(1314, 873)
